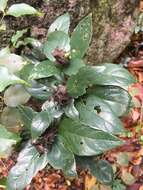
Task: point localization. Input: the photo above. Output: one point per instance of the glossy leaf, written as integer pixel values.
(40, 123)
(28, 164)
(16, 95)
(56, 40)
(3, 4)
(27, 115)
(43, 70)
(61, 158)
(7, 79)
(7, 140)
(62, 23)
(71, 111)
(117, 98)
(73, 68)
(106, 74)
(98, 115)
(21, 9)
(81, 37)
(85, 141)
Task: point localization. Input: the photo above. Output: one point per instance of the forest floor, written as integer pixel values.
(127, 161)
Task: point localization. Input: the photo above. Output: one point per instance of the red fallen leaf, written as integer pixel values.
(136, 91)
(135, 63)
(135, 115)
(135, 186)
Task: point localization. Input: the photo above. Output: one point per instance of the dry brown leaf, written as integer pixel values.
(90, 181)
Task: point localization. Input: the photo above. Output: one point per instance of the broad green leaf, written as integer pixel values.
(7, 140)
(117, 98)
(40, 123)
(56, 40)
(7, 79)
(16, 95)
(17, 36)
(85, 141)
(21, 9)
(74, 66)
(98, 115)
(81, 37)
(61, 158)
(106, 74)
(13, 62)
(3, 5)
(26, 71)
(71, 111)
(101, 169)
(11, 119)
(62, 23)
(27, 115)
(43, 70)
(28, 164)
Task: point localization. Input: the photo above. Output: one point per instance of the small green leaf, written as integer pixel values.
(117, 98)
(28, 164)
(81, 37)
(61, 158)
(73, 68)
(17, 36)
(7, 140)
(106, 74)
(56, 40)
(3, 5)
(85, 141)
(117, 185)
(21, 9)
(43, 70)
(40, 123)
(15, 96)
(62, 23)
(7, 79)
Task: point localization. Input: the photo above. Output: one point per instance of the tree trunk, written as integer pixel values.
(113, 23)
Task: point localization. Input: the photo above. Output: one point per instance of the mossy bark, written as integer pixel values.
(113, 23)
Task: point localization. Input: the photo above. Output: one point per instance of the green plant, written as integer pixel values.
(76, 109)
(15, 10)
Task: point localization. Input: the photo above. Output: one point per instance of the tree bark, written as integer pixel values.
(113, 25)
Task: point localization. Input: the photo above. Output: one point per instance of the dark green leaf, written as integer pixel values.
(27, 115)
(43, 70)
(97, 115)
(85, 141)
(40, 123)
(117, 98)
(73, 68)
(106, 74)
(62, 23)
(7, 79)
(28, 164)
(62, 158)
(71, 111)
(56, 40)
(21, 9)
(81, 37)
(26, 71)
